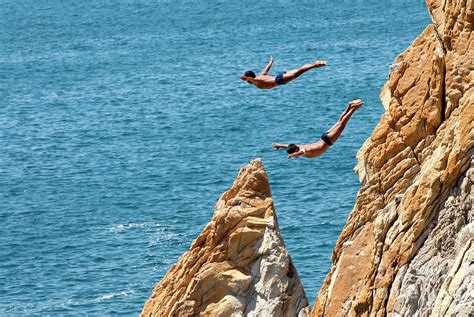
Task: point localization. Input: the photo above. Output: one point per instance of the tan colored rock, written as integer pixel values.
(238, 266)
(410, 167)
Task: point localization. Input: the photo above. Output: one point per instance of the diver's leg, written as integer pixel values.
(295, 73)
(341, 118)
(335, 132)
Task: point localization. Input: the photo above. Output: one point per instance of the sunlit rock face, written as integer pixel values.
(238, 265)
(407, 247)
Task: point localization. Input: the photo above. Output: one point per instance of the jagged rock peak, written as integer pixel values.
(238, 265)
(407, 247)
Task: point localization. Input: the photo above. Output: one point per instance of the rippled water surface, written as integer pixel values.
(121, 123)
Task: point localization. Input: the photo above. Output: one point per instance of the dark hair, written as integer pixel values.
(292, 148)
(250, 73)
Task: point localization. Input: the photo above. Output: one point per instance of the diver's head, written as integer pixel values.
(292, 148)
(250, 73)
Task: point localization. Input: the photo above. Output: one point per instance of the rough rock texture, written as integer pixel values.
(456, 296)
(407, 247)
(449, 238)
(238, 265)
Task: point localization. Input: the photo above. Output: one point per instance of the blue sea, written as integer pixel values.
(122, 122)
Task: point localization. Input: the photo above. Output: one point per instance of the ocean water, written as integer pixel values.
(122, 122)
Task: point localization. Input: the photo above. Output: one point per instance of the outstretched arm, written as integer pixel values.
(267, 68)
(279, 146)
(292, 155)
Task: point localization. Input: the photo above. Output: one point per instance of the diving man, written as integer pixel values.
(327, 139)
(264, 81)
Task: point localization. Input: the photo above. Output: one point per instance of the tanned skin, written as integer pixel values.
(264, 81)
(319, 147)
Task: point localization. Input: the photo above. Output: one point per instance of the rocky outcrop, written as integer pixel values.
(407, 246)
(238, 265)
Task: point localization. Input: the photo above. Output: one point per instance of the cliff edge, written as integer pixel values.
(408, 245)
(238, 266)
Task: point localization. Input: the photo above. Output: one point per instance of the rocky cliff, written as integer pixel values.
(408, 245)
(238, 266)
(407, 248)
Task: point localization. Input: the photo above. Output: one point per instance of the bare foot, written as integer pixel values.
(319, 63)
(356, 104)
